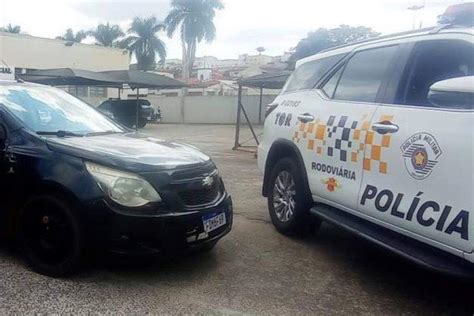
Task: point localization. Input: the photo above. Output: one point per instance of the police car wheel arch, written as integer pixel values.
(274, 155)
(300, 223)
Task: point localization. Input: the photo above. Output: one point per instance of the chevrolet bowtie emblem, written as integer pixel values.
(207, 181)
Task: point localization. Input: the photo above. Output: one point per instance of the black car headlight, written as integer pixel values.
(126, 189)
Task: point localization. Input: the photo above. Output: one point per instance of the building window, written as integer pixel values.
(78, 91)
(195, 93)
(170, 94)
(99, 92)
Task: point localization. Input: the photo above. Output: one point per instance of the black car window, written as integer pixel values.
(363, 74)
(434, 61)
(307, 75)
(105, 106)
(48, 110)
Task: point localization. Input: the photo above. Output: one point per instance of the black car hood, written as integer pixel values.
(132, 152)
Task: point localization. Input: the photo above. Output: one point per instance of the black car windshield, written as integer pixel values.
(49, 110)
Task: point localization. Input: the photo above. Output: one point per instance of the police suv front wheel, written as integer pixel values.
(289, 200)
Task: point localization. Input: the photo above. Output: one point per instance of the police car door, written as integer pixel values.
(302, 115)
(335, 140)
(421, 183)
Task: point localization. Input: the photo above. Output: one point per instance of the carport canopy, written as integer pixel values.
(70, 77)
(274, 80)
(115, 79)
(141, 79)
(268, 80)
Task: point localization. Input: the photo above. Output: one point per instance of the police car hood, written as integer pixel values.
(131, 152)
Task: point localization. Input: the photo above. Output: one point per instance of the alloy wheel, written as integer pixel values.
(284, 193)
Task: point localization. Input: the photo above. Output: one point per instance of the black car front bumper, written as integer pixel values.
(159, 234)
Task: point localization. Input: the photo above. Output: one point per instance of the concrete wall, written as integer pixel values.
(209, 109)
(205, 109)
(24, 51)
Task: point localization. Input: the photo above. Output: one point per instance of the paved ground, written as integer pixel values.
(254, 270)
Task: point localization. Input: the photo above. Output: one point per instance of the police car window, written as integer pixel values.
(330, 86)
(307, 75)
(364, 73)
(434, 61)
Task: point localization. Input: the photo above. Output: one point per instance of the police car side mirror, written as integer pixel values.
(455, 93)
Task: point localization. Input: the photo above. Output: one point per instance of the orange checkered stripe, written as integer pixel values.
(376, 144)
(316, 135)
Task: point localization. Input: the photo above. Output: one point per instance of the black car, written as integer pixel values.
(125, 112)
(73, 180)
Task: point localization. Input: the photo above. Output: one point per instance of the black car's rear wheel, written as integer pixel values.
(50, 236)
(289, 200)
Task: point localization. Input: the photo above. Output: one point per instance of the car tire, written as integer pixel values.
(50, 236)
(289, 200)
(142, 123)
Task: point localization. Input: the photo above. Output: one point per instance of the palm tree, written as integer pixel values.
(69, 36)
(16, 29)
(144, 42)
(106, 34)
(195, 18)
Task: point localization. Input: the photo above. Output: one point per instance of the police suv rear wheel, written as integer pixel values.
(289, 200)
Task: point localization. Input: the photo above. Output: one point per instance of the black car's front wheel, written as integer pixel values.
(50, 236)
(289, 200)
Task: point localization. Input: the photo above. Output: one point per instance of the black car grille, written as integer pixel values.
(187, 175)
(202, 196)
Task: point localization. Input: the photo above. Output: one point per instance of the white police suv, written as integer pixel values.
(378, 137)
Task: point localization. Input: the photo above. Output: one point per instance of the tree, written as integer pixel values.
(144, 42)
(16, 29)
(325, 38)
(261, 49)
(195, 19)
(106, 34)
(69, 36)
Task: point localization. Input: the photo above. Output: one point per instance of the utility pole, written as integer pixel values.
(415, 9)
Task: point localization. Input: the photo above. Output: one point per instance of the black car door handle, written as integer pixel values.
(385, 128)
(305, 118)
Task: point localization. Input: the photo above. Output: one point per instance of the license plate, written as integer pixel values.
(213, 222)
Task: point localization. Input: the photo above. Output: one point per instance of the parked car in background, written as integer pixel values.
(125, 112)
(72, 180)
(377, 137)
(156, 117)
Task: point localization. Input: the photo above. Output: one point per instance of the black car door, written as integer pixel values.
(5, 188)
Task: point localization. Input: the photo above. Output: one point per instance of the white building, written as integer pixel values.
(254, 60)
(204, 74)
(22, 53)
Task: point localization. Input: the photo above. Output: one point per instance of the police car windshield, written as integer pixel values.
(48, 110)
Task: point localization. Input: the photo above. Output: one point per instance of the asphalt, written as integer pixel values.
(254, 270)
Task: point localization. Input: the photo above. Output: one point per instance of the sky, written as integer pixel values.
(242, 26)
